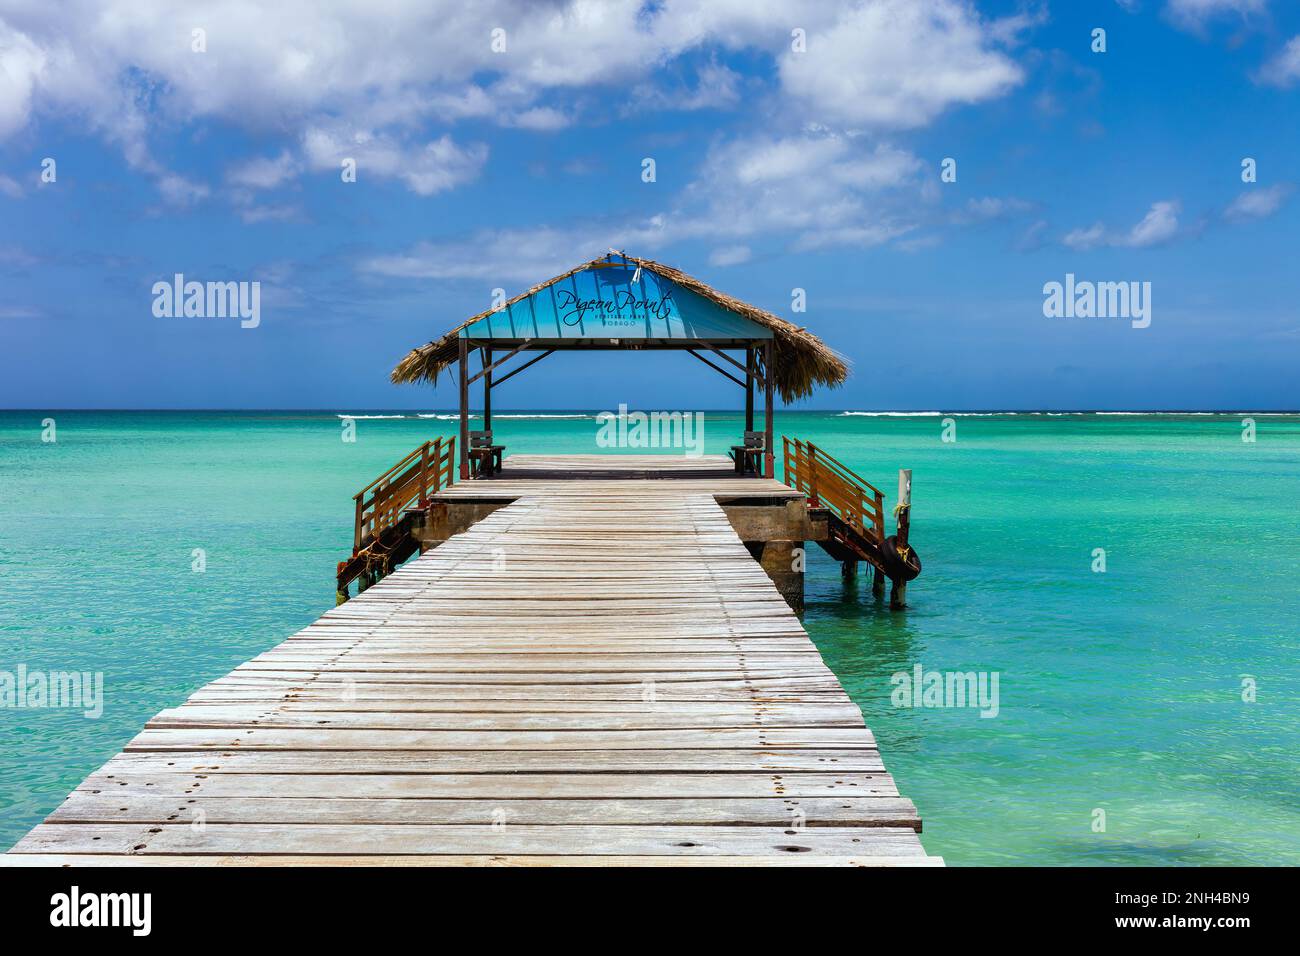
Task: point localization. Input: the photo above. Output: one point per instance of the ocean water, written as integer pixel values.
(1119, 692)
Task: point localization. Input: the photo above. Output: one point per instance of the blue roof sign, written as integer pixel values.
(612, 299)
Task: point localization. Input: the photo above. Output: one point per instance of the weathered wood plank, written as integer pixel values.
(325, 739)
(510, 839)
(476, 859)
(174, 781)
(861, 760)
(85, 807)
(296, 717)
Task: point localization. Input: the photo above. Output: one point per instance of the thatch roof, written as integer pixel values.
(802, 361)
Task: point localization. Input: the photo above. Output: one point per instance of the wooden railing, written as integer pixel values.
(408, 484)
(829, 484)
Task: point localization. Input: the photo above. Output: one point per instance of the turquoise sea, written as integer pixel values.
(1119, 691)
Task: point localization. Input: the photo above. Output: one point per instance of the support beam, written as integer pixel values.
(713, 348)
(487, 388)
(487, 370)
(532, 361)
(769, 456)
(749, 389)
(720, 371)
(464, 410)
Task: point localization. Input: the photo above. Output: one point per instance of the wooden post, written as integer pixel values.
(487, 390)
(849, 569)
(769, 380)
(424, 474)
(898, 593)
(878, 584)
(749, 389)
(813, 500)
(904, 504)
(464, 410)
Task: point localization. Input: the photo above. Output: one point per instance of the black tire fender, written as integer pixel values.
(895, 564)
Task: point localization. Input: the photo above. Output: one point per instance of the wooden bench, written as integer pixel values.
(484, 457)
(749, 456)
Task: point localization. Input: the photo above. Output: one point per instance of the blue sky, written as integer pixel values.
(776, 169)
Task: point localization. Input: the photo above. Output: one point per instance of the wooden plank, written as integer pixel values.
(115, 779)
(331, 739)
(477, 859)
(244, 715)
(859, 760)
(84, 807)
(510, 839)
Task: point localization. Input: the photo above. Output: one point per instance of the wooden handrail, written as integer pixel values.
(829, 484)
(415, 454)
(408, 484)
(848, 472)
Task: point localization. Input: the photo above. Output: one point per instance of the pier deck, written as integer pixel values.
(595, 673)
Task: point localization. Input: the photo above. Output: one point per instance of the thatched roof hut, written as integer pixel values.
(800, 360)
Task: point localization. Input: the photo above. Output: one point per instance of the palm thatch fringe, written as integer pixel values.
(801, 360)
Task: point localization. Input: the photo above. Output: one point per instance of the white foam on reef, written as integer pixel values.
(448, 417)
(364, 417)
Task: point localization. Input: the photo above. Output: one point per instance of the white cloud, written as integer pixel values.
(301, 59)
(426, 168)
(730, 255)
(989, 208)
(1284, 68)
(21, 64)
(264, 172)
(500, 256)
(1258, 202)
(1158, 226)
(278, 212)
(897, 63)
(179, 191)
(9, 187)
(127, 66)
(717, 87)
(336, 80)
(864, 235)
(1085, 238)
(1195, 14)
(817, 188)
(540, 118)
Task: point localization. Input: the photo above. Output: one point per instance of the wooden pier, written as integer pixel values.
(595, 670)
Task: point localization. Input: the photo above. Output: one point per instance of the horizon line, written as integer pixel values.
(794, 411)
